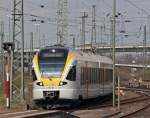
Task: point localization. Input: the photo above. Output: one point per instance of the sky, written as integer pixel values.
(135, 11)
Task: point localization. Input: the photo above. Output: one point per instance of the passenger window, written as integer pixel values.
(72, 74)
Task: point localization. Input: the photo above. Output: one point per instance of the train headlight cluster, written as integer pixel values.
(40, 83)
(62, 83)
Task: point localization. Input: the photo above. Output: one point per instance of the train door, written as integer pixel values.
(78, 79)
(86, 78)
(110, 78)
(82, 84)
(107, 80)
(102, 80)
(81, 79)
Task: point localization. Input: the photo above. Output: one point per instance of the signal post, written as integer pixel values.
(8, 47)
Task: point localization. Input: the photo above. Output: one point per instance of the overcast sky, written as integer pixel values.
(137, 11)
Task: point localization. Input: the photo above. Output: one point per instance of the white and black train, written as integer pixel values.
(63, 74)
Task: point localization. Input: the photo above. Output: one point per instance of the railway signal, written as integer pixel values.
(8, 47)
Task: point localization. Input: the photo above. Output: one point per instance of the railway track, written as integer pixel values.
(136, 111)
(145, 97)
(141, 97)
(122, 115)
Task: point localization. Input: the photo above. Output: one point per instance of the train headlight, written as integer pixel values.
(62, 83)
(40, 83)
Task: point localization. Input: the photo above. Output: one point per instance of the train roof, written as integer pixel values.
(80, 55)
(89, 56)
(56, 46)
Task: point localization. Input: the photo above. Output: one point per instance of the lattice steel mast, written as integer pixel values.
(17, 73)
(62, 22)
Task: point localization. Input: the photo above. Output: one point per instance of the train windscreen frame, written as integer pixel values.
(52, 62)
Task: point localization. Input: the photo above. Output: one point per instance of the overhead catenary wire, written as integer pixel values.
(99, 19)
(139, 8)
(75, 21)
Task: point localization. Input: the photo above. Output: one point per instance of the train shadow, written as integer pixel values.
(87, 104)
(74, 105)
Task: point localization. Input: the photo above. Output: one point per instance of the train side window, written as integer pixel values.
(33, 76)
(72, 74)
(111, 74)
(96, 75)
(105, 71)
(85, 73)
(102, 74)
(105, 75)
(82, 81)
(85, 80)
(81, 77)
(89, 75)
(92, 75)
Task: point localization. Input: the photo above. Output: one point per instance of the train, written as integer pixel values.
(62, 75)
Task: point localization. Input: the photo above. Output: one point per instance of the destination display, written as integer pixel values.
(49, 54)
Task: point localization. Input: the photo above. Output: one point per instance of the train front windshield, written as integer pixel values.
(52, 62)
